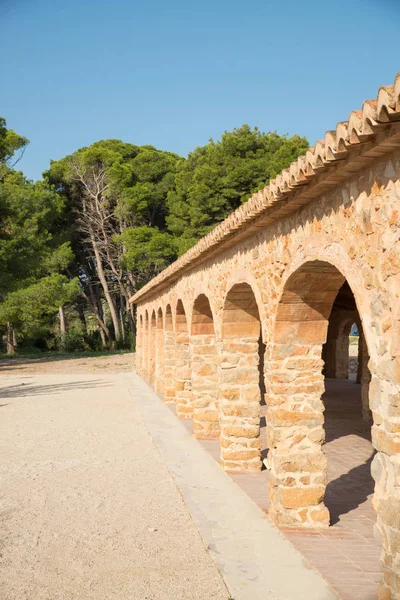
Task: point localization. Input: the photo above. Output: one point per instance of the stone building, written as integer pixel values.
(259, 312)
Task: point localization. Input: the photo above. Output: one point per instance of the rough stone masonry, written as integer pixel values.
(259, 309)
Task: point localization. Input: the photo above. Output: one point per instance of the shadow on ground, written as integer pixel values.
(22, 390)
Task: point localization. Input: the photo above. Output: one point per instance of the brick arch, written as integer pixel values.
(295, 385)
(336, 349)
(244, 276)
(201, 289)
(241, 380)
(168, 319)
(183, 384)
(204, 369)
(325, 249)
(202, 316)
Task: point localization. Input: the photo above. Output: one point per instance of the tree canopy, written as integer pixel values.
(218, 177)
(109, 217)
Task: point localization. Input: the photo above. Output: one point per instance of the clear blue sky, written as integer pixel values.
(175, 73)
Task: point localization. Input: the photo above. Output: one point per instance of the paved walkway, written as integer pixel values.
(347, 554)
(88, 509)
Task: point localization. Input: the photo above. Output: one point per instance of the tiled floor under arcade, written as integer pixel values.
(346, 554)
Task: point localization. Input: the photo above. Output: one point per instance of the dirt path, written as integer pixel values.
(88, 509)
(112, 363)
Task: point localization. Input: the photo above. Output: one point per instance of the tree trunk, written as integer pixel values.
(15, 341)
(81, 314)
(103, 338)
(95, 303)
(106, 289)
(10, 339)
(63, 325)
(121, 317)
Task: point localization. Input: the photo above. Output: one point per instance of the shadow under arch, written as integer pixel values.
(295, 420)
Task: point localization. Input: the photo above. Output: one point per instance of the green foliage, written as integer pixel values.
(27, 306)
(108, 218)
(29, 216)
(10, 144)
(217, 178)
(147, 251)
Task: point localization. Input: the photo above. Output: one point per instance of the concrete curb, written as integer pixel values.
(256, 561)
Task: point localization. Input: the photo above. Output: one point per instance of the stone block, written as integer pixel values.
(301, 497)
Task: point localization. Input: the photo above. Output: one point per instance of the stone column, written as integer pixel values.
(385, 406)
(240, 404)
(159, 366)
(365, 377)
(145, 365)
(295, 430)
(139, 349)
(152, 353)
(169, 366)
(183, 381)
(204, 386)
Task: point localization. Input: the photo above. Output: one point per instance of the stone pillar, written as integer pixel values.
(204, 386)
(152, 352)
(139, 343)
(385, 406)
(295, 430)
(240, 403)
(169, 366)
(159, 366)
(365, 377)
(183, 381)
(145, 365)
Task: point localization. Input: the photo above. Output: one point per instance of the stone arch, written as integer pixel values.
(204, 369)
(169, 356)
(201, 289)
(295, 382)
(159, 383)
(335, 351)
(324, 249)
(184, 408)
(242, 276)
(240, 375)
(152, 347)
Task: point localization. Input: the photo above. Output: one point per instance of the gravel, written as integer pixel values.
(88, 508)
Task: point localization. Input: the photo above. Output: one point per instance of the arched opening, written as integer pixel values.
(204, 371)
(159, 384)
(241, 380)
(297, 426)
(152, 349)
(353, 370)
(183, 387)
(169, 357)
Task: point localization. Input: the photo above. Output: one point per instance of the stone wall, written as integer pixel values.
(294, 245)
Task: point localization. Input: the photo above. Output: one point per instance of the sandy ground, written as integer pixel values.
(88, 509)
(113, 363)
